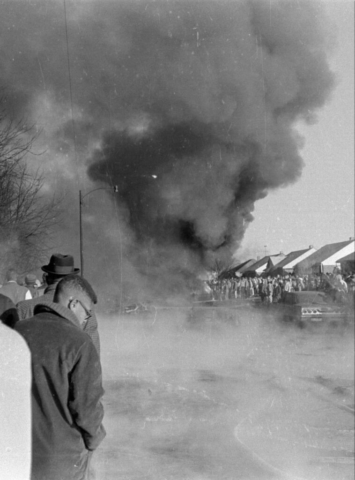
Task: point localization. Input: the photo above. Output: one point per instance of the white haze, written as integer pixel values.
(233, 395)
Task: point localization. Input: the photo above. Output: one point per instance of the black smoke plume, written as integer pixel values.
(189, 107)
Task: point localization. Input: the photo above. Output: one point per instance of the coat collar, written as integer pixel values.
(57, 309)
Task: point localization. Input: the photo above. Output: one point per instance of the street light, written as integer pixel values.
(81, 198)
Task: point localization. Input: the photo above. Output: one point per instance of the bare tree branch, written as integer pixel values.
(27, 216)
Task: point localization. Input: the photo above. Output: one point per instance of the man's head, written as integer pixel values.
(77, 294)
(59, 267)
(11, 275)
(30, 280)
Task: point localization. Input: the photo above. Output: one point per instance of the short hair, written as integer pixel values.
(75, 284)
(11, 274)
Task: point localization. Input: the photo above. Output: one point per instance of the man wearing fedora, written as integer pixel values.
(59, 267)
(67, 391)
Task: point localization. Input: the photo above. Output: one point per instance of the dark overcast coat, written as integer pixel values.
(8, 312)
(66, 393)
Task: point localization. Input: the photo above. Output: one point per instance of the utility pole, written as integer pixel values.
(81, 235)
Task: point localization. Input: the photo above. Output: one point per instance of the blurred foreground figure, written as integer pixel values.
(67, 388)
(59, 267)
(13, 290)
(8, 312)
(15, 406)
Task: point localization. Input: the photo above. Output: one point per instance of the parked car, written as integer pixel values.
(311, 307)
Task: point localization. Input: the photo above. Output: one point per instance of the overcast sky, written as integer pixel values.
(319, 208)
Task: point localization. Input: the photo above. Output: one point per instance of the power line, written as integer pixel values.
(70, 86)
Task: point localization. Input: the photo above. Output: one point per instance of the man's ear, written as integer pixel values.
(71, 303)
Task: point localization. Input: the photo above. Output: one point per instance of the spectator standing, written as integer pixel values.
(251, 288)
(277, 291)
(302, 283)
(31, 284)
(351, 289)
(238, 289)
(243, 289)
(351, 283)
(59, 267)
(13, 290)
(235, 291)
(342, 283)
(264, 290)
(226, 289)
(270, 291)
(67, 388)
(288, 285)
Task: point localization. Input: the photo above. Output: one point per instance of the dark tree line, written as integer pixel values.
(27, 217)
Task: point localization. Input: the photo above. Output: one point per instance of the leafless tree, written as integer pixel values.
(27, 217)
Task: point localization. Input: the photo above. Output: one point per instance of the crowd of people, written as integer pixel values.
(272, 289)
(56, 384)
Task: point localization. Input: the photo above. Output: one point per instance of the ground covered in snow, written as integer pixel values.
(225, 393)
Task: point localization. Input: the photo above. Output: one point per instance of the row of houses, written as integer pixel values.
(308, 261)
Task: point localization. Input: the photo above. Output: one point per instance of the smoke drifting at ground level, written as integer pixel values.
(226, 394)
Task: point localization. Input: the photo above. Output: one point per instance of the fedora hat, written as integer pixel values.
(60, 265)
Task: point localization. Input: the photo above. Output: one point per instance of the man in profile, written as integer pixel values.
(67, 388)
(59, 267)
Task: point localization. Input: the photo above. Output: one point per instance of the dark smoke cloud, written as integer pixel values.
(188, 106)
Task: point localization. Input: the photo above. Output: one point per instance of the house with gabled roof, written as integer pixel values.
(347, 263)
(264, 264)
(287, 264)
(273, 261)
(326, 259)
(257, 267)
(238, 270)
(347, 258)
(246, 265)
